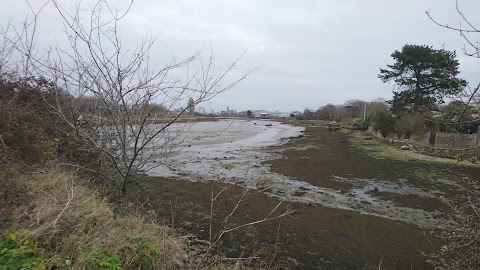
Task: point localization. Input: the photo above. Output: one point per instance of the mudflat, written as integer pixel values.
(357, 228)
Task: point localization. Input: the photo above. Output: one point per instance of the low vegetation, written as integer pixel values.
(403, 151)
(462, 249)
(53, 217)
(59, 222)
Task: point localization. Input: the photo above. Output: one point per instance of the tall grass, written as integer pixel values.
(76, 228)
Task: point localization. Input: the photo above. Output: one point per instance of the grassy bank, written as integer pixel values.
(57, 222)
(383, 149)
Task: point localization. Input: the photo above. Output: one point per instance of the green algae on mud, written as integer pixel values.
(316, 237)
(319, 236)
(322, 156)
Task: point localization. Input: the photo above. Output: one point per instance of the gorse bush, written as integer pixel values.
(25, 120)
(29, 130)
(32, 134)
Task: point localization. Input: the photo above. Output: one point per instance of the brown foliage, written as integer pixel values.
(410, 124)
(30, 132)
(27, 126)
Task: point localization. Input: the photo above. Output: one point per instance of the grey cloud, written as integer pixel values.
(310, 52)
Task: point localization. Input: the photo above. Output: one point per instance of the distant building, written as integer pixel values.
(267, 114)
(228, 111)
(200, 110)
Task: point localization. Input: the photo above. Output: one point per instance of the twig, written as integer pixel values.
(70, 196)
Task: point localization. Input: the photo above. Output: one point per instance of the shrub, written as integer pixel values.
(384, 122)
(31, 133)
(358, 123)
(409, 124)
(25, 121)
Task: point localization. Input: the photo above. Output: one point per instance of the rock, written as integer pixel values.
(368, 137)
(299, 193)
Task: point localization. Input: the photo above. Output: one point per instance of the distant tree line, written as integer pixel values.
(423, 78)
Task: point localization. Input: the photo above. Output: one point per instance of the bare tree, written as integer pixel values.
(461, 248)
(124, 83)
(467, 30)
(327, 112)
(7, 47)
(191, 106)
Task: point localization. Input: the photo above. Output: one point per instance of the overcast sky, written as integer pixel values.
(309, 53)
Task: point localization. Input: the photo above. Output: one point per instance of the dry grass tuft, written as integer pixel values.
(75, 222)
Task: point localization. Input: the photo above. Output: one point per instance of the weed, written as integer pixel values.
(150, 216)
(266, 181)
(230, 166)
(146, 253)
(265, 173)
(99, 258)
(17, 252)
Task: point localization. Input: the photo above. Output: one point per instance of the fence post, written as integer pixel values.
(478, 136)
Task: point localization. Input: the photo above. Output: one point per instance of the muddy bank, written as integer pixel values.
(322, 167)
(359, 179)
(315, 237)
(319, 236)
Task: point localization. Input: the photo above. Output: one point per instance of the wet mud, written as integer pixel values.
(354, 209)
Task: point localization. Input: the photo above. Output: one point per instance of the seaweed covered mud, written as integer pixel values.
(321, 168)
(355, 206)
